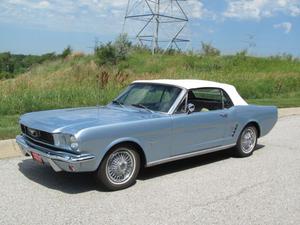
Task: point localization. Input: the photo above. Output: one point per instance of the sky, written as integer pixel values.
(263, 27)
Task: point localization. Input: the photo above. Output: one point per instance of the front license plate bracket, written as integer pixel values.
(37, 157)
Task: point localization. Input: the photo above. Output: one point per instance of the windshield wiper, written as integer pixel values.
(143, 107)
(118, 103)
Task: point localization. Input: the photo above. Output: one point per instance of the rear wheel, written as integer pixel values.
(119, 168)
(247, 141)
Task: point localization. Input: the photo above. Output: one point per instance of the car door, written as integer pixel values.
(204, 128)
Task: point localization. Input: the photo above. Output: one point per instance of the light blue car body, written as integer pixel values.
(159, 137)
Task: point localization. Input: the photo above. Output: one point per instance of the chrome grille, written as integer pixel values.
(38, 135)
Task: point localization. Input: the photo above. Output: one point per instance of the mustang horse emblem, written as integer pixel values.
(33, 133)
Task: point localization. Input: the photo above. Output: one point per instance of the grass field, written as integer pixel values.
(78, 81)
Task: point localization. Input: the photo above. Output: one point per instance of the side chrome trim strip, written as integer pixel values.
(188, 155)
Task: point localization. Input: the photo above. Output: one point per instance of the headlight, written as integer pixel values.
(73, 143)
(66, 141)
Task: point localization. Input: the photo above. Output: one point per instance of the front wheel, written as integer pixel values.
(119, 168)
(247, 141)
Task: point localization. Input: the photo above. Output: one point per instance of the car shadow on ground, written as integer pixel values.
(73, 183)
(189, 163)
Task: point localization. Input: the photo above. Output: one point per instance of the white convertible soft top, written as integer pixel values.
(192, 84)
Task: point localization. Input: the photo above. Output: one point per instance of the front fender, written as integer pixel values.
(122, 140)
(153, 136)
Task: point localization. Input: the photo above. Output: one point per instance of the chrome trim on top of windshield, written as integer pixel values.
(188, 155)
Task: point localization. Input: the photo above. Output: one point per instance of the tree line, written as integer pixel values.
(13, 64)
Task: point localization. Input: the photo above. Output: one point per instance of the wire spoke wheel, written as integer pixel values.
(120, 166)
(248, 140)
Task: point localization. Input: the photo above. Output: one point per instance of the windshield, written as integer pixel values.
(154, 97)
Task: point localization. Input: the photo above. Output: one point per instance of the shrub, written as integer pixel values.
(66, 52)
(242, 53)
(47, 57)
(283, 56)
(106, 54)
(6, 75)
(208, 50)
(122, 45)
(112, 53)
(240, 56)
(7, 62)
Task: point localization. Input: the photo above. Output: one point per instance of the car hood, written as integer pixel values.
(75, 119)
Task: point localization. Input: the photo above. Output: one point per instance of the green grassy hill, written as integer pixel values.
(78, 81)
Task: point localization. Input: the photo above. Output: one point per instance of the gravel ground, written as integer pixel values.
(211, 189)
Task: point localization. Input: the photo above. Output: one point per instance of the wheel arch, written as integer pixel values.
(127, 141)
(256, 125)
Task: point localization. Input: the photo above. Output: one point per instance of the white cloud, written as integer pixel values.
(286, 26)
(196, 9)
(28, 3)
(257, 9)
(95, 16)
(245, 9)
(295, 10)
(42, 5)
(106, 16)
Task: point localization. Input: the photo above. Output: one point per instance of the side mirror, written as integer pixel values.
(190, 108)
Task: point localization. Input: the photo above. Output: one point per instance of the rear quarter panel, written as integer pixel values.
(265, 116)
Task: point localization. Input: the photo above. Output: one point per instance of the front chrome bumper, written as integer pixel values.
(59, 161)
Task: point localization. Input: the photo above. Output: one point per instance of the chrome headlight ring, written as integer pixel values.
(66, 141)
(73, 143)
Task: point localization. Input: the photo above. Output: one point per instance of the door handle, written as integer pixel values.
(224, 115)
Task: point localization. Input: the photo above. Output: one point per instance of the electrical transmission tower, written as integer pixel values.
(157, 23)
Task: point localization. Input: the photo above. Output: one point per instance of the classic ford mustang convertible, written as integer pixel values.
(151, 122)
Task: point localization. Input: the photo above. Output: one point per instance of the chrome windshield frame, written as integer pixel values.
(178, 101)
(173, 107)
